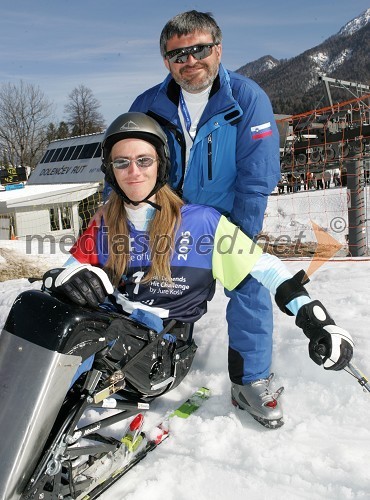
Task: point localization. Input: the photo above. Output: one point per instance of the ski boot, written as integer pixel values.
(257, 399)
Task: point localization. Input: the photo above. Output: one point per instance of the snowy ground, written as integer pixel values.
(221, 453)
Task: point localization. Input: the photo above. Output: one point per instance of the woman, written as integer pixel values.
(163, 257)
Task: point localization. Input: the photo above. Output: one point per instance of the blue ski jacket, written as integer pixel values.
(234, 161)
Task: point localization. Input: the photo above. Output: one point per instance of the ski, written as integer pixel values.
(144, 442)
(191, 404)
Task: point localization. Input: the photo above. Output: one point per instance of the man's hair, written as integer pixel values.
(188, 22)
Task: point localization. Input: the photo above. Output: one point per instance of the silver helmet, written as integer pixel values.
(136, 125)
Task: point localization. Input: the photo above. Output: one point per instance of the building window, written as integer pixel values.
(60, 218)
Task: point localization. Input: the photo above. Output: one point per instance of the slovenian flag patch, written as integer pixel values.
(261, 131)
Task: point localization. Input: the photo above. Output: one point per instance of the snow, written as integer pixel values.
(356, 24)
(322, 63)
(327, 65)
(31, 192)
(320, 58)
(339, 60)
(219, 453)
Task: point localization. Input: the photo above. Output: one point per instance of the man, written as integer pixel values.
(224, 149)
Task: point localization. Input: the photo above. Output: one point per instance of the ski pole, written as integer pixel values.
(352, 369)
(362, 380)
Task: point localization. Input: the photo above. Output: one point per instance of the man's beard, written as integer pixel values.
(193, 87)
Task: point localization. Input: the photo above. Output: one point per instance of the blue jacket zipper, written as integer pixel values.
(210, 157)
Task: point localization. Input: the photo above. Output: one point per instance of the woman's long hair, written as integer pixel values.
(162, 231)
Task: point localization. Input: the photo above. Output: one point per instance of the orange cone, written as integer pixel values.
(12, 234)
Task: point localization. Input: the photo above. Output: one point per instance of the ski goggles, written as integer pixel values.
(180, 56)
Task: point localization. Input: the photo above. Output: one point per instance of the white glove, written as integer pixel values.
(341, 348)
(82, 283)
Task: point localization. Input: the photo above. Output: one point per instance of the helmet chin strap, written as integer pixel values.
(145, 200)
(151, 203)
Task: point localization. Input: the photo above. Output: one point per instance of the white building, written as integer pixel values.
(57, 198)
(43, 210)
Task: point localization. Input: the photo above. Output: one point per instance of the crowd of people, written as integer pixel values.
(295, 181)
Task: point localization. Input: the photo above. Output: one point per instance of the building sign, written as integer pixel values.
(12, 175)
(73, 160)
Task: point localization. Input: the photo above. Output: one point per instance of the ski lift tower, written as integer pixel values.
(354, 88)
(355, 167)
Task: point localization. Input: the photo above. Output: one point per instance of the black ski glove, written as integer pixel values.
(330, 345)
(81, 283)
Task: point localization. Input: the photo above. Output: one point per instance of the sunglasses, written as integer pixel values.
(180, 56)
(142, 162)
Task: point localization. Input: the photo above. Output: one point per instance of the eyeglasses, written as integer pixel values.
(142, 162)
(180, 56)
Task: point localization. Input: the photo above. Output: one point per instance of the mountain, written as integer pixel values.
(262, 64)
(292, 84)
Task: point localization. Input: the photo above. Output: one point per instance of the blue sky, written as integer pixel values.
(111, 46)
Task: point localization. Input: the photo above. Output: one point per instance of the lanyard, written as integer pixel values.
(185, 113)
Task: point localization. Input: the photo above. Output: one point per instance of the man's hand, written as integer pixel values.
(81, 283)
(330, 345)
